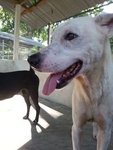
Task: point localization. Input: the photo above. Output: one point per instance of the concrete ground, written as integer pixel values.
(52, 133)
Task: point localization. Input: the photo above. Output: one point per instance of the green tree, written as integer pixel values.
(6, 21)
(41, 33)
(7, 25)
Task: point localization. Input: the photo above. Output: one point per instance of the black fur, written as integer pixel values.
(27, 82)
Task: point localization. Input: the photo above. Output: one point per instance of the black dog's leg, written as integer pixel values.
(26, 97)
(34, 96)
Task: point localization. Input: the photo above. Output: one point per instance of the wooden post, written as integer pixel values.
(3, 47)
(16, 32)
(49, 34)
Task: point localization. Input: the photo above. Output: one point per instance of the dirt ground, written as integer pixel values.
(52, 133)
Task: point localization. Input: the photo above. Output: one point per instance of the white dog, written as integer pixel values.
(80, 51)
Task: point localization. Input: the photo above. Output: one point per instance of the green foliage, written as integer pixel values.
(7, 25)
(7, 21)
(34, 49)
(24, 30)
(41, 33)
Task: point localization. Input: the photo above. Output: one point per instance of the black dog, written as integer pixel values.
(27, 82)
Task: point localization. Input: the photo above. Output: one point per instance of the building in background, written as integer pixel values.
(26, 46)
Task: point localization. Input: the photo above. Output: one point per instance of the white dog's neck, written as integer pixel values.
(102, 68)
(94, 77)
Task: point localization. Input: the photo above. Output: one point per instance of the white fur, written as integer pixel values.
(93, 91)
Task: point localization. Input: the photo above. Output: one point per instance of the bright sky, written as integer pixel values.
(108, 9)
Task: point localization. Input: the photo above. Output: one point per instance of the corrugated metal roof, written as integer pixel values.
(38, 13)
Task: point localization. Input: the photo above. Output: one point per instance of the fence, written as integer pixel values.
(27, 46)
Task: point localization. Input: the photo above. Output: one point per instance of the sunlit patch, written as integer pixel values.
(16, 132)
(38, 129)
(43, 123)
(53, 113)
(108, 8)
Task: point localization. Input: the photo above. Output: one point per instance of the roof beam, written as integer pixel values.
(38, 4)
(21, 2)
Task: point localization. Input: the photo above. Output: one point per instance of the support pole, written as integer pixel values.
(49, 34)
(3, 47)
(16, 32)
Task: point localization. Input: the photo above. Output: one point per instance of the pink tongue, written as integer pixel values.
(50, 84)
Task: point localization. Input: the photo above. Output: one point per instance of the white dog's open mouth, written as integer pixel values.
(61, 79)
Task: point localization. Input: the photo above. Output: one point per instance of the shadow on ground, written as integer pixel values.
(58, 135)
(52, 133)
(55, 128)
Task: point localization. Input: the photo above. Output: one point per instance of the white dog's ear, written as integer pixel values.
(105, 20)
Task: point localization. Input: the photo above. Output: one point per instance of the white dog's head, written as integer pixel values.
(76, 45)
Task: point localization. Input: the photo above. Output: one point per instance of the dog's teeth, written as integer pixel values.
(68, 73)
(63, 75)
(58, 81)
(78, 65)
(71, 69)
(73, 66)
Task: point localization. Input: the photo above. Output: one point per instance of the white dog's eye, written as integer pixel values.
(70, 36)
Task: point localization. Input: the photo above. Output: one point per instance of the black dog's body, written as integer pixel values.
(27, 82)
